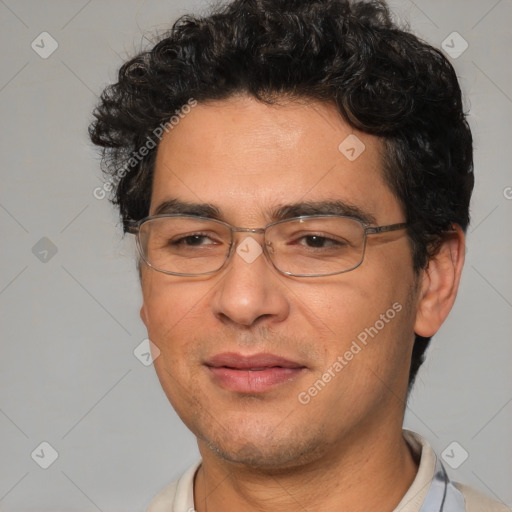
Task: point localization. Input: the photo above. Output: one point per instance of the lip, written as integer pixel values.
(252, 374)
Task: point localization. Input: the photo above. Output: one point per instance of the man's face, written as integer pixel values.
(248, 159)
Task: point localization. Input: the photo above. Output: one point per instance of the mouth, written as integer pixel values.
(252, 374)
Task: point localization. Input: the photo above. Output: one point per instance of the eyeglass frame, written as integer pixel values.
(133, 227)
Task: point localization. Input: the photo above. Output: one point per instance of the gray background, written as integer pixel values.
(70, 324)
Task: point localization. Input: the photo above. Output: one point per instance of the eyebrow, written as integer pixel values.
(175, 206)
(328, 207)
(288, 211)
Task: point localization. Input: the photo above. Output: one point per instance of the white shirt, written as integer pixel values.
(179, 496)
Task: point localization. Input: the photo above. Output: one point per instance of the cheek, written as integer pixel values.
(170, 309)
(337, 308)
(370, 305)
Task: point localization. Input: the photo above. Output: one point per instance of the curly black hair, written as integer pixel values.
(382, 79)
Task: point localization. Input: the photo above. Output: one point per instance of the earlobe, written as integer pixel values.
(440, 283)
(143, 315)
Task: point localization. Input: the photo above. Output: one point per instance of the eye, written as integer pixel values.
(319, 242)
(194, 240)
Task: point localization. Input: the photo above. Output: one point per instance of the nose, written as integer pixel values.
(250, 291)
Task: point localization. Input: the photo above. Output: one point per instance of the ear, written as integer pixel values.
(439, 283)
(143, 315)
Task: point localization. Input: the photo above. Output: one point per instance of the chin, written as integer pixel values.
(266, 450)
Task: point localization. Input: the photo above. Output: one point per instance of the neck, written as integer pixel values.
(357, 476)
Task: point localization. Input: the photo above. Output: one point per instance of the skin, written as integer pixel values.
(267, 451)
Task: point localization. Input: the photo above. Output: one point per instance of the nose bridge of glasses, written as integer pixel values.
(246, 231)
(254, 231)
(248, 247)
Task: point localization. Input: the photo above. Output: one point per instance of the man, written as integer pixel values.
(298, 177)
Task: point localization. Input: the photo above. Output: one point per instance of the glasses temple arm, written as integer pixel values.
(384, 229)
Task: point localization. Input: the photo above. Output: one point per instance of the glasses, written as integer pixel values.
(308, 246)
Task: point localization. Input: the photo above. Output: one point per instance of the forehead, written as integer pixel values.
(248, 158)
